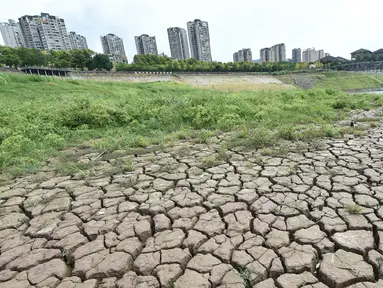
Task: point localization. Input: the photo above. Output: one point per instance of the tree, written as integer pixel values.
(31, 57)
(81, 58)
(102, 62)
(9, 57)
(59, 59)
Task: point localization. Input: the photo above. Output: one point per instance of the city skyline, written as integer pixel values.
(226, 36)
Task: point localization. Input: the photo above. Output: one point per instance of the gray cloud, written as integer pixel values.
(337, 26)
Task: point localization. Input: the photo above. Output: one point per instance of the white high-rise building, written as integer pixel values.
(311, 55)
(77, 41)
(113, 46)
(45, 32)
(199, 38)
(146, 44)
(11, 33)
(178, 41)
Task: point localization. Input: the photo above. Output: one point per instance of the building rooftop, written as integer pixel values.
(361, 50)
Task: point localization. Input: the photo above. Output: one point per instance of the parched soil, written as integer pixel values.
(193, 215)
(225, 82)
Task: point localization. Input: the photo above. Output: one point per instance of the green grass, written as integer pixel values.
(338, 80)
(40, 116)
(348, 81)
(354, 209)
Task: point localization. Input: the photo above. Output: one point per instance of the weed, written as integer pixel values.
(374, 124)
(223, 155)
(122, 165)
(151, 158)
(316, 144)
(41, 115)
(357, 131)
(168, 167)
(211, 161)
(72, 168)
(245, 275)
(354, 209)
(248, 165)
(259, 161)
(293, 169)
(366, 119)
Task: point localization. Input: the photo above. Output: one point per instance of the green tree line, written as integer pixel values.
(78, 59)
(164, 63)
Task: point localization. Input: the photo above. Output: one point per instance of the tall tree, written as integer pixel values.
(102, 62)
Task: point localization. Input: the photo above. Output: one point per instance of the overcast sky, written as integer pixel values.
(337, 26)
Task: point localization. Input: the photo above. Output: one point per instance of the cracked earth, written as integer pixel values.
(311, 218)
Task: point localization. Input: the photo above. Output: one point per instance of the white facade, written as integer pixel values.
(146, 44)
(178, 41)
(199, 38)
(311, 55)
(11, 33)
(45, 32)
(77, 41)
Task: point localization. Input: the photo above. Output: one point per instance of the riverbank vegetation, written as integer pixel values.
(41, 115)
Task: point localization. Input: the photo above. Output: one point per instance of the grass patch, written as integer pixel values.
(245, 275)
(333, 81)
(354, 209)
(40, 116)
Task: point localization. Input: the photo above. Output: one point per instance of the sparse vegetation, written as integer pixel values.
(354, 209)
(211, 161)
(40, 116)
(245, 275)
(334, 81)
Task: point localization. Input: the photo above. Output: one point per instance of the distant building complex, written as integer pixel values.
(146, 44)
(44, 32)
(77, 41)
(243, 55)
(311, 55)
(178, 42)
(199, 38)
(296, 55)
(276, 53)
(113, 46)
(11, 33)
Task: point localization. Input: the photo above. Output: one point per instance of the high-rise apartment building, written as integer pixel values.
(296, 55)
(146, 44)
(235, 57)
(113, 46)
(199, 38)
(77, 41)
(265, 55)
(44, 32)
(311, 55)
(11, 33)
(276, 53)
(320, 54)
(243, 55)
(178, 41)
(247, 55)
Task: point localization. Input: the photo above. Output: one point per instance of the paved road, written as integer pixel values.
(188, 217)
